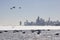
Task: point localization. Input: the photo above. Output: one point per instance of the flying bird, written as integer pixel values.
(13, 7)
(19, 7)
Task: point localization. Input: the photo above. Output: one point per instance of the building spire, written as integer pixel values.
(38, 19)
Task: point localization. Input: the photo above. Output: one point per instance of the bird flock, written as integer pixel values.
(14, 7)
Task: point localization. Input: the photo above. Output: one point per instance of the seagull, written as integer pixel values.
(19, 7)
(13, 7)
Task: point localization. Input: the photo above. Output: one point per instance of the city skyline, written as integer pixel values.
(30, 9)
(42, 22)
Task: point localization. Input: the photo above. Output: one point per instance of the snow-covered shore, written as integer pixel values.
(28, 27)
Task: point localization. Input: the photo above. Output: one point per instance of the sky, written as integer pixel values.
(30, 10)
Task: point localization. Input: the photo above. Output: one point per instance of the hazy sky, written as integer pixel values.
(30, 9)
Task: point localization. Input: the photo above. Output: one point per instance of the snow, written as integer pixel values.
(28, 27)
(28, 35)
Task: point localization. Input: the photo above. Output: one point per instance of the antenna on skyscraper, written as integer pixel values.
(49, 19)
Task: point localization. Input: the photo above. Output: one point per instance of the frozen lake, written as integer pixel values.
(30, 34)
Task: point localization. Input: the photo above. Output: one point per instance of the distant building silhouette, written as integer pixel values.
(42, 22)
(20, 23)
